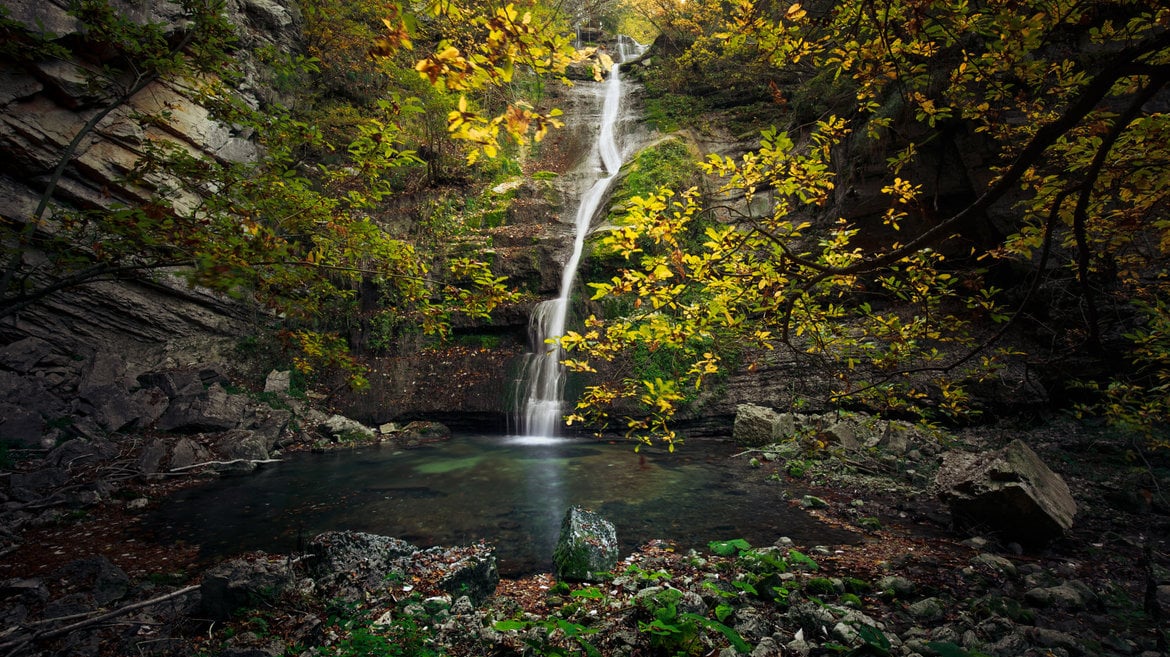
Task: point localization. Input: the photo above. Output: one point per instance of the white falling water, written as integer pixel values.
(544, 384)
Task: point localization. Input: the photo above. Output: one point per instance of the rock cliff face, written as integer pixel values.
(45, 105)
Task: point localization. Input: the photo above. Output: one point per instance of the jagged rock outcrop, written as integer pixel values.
(45, 104)
(348, 565)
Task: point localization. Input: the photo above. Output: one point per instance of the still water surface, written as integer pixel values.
(511, 491)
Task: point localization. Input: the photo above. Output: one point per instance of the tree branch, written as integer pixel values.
(17, 644)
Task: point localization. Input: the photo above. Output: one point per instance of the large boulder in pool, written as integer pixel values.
(587, 546)
(1010, 492)
(348, 565)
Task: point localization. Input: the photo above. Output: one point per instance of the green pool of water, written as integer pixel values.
(510, 491)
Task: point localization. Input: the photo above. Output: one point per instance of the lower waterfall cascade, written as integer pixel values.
(540, 397)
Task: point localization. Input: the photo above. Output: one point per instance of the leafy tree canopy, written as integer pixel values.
(1053, 111)
(297, 229)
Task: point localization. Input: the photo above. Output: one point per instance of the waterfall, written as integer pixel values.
(541, 392)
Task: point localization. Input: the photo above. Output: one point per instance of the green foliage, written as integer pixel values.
(293, 231)
(729, 548)
(677, 633)
(820, 586)
(644, 575)
(669, 163)
(402, 636)
(550, 634)
(899, 306)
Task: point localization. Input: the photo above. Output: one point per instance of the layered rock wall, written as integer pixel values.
(46, 104)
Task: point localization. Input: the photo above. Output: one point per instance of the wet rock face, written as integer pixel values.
(586, 548)
(1010, 492)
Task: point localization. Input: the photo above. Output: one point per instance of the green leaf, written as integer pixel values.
(729, 548)
(506, 625)
(590, 593)
(874, 639)
(732, 636)
(803, 559)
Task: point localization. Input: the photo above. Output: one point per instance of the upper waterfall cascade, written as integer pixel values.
(541, 391)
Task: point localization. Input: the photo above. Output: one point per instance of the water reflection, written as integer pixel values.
(510, 491)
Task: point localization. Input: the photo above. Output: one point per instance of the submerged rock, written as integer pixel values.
(587, 546)
(1011, 492)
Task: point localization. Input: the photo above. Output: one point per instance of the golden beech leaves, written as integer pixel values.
(894, 303)
(505, 38)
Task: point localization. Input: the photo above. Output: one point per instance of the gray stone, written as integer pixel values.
(342, 428)
(1010, 491)
(845, 633)
(183, 383)
(751, 624)
(278, 382)
(899, 586)
(187, 452)
(212, 410)
(843, 434)
(21, 425)
(474, 575)
(810, 618)
(421, 433)
(241, 444)
(997, 563)
(799, 647)
(1070, 595)
(1048, 638)
(269, 424)
(14, 86)
(34, 485)
(23, 355)
(243, 583)
(30, 394)
(106, 581)
(896, 438)
(755, 426)
(785, 425)
(80, 451)
(68, 81)
(150, 461)
(112, 407)
(105, 369)
(813, 502)
(148, 405)
(39, 15)
(587, 546)
(927, 610)
(347, 564)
